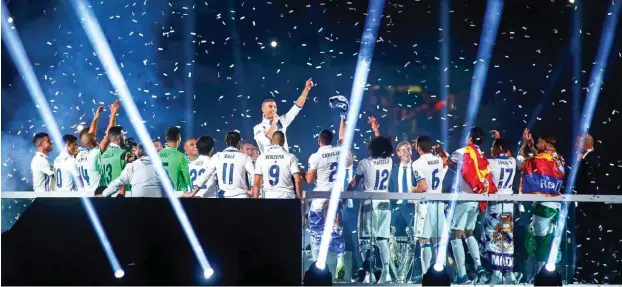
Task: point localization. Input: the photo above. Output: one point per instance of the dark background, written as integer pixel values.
(225, 48)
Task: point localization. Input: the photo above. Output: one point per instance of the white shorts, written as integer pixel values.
(430, 220)
(241, 195)
(465, 216)
(375, 220)
(279, 195)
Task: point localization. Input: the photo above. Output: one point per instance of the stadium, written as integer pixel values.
(402, 142)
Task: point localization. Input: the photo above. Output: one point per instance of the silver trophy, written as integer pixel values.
(402, 250)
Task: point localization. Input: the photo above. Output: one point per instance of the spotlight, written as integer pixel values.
(273, 44)
(571, 1)
(548, 276)
(317, 277)
(436, 276)
(208, 273)
(79, 127)
(119, 273)
(10, 19)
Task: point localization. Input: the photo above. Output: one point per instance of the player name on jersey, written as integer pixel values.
(381, 161)
(330, 154)
(275, 156)
(432, 162)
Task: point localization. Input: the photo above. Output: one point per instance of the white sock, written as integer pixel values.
(314, 253)
(426, 257)
(458, 249)
(383, 245)
(339, 259)
(474, 250)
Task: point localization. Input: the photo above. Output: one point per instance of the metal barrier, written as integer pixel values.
(610, 199)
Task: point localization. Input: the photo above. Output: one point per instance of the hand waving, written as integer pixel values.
(99, 111)
(373, 122)
(309, 84)
(114, 108)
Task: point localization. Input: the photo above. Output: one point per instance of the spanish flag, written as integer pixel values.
(543, 174)
(476, 173)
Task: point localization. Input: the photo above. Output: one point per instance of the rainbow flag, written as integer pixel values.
(476, 173)
(543, 174)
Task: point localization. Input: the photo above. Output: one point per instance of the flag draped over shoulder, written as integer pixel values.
(543, 174)
(476, 173)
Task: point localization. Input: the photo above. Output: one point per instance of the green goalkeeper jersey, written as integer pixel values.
(176, 165)
(112, 163)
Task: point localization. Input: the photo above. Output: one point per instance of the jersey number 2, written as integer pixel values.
(333, 171)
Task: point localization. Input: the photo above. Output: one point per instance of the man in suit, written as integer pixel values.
(591, 236)
(401, 181)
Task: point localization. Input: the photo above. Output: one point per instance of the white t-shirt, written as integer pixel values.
(259, 131)
(503, 170)
(277, 168)
(457, 157)
(197, 170)
(324, 162)
(430, 168)
(231, 168)
(42, 172)
(63, 164)
(376, 173)
(88, 161)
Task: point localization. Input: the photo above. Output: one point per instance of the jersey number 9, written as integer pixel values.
(274, 175)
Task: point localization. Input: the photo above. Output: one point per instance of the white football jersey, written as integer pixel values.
(88, 161)
(42, 173)
(63, 164)
(376, 173)
(430, 168)
(277, 168)
(503, 170)
(231, 168)
(324, 162)
(197, 170)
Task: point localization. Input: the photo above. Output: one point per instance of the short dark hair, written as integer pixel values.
(477, 135)
(501, 144)
(326, 137)
(173, 134)
(38, 138)
(550, 140)
(267, 101)
(425, 143)
(380, 147)
(69, 139)
(205, 144)
(233, 138)
(115, 131)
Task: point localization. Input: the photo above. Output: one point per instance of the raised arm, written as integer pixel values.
(303, 96)
(374, 125)
(342, 129)
(114, 109)
(93, 127)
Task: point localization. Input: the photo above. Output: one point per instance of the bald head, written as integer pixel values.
(278, 137)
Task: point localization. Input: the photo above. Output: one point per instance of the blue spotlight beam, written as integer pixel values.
(99, 42)
(596, 82)
(484, 53)
(444, 34)
(366, 53)
(575, 47)
(18, 53)
(189, 51)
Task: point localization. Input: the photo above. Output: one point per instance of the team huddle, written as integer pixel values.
(119, 166)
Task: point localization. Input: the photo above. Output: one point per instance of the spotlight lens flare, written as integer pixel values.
(438, 267)
(208, 273)
(119, 273)
(550, 267)
(273, 44)
(10, 20)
